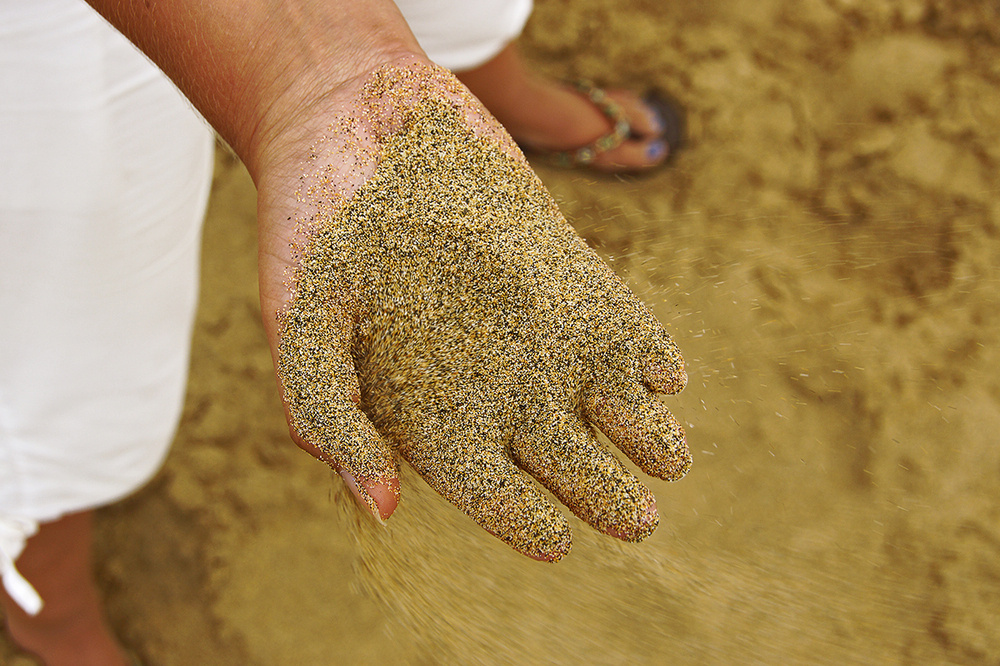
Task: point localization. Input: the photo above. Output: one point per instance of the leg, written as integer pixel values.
(543, 114)
(71, 628)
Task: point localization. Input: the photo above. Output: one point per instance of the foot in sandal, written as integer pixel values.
(578, 124)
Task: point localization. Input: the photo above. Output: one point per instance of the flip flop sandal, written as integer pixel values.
(667, 109)
(673, 120)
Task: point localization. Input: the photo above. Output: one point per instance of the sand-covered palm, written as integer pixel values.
(425, 297)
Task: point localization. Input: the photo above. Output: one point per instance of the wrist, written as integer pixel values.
(255, 67)
(300, 105)
(308, 55)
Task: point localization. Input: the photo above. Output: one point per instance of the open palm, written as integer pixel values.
(439, 306)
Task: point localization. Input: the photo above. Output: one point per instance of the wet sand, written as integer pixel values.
(827, 255)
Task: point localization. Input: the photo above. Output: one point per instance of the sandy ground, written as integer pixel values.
(827, 254)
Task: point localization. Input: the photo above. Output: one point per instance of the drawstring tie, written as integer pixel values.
(14, 532)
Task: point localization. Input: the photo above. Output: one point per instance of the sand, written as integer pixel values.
(827, 256)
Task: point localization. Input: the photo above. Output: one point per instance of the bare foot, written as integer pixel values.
(549, 116)
(442, 308)
(71, 629)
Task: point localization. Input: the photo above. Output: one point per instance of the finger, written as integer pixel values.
(641, 427)
(641, 356)
(566, 458)
(469, 468)
(379, 495)
(385, 494)
(636, 345)
(322, 398)
(661, 365)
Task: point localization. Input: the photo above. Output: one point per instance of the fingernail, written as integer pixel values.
(679, 462)
(648, 522)
(362, 496)
(656, 151)
(645, 526)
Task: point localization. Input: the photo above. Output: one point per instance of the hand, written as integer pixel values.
(422, 294)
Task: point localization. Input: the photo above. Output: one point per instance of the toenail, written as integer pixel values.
(656, 150)
(656, 122)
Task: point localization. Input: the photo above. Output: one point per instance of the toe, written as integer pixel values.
(658, 127)
(643, 118)
(633, 154)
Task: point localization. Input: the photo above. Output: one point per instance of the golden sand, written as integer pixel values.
(826, 252)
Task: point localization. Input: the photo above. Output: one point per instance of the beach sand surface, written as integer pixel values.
(826, 252)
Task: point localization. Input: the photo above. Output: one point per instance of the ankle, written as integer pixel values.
(80, 640)
(70, 629)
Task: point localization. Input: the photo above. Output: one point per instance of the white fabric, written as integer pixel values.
(104, 176)
(13, 534)
(463, 34)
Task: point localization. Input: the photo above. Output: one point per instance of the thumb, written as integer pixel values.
(322, 401)
(309, 320)
(377, 487)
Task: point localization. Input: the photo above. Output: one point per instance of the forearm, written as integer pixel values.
(248, 65)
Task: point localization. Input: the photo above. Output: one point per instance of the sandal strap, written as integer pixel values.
(620, 129)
